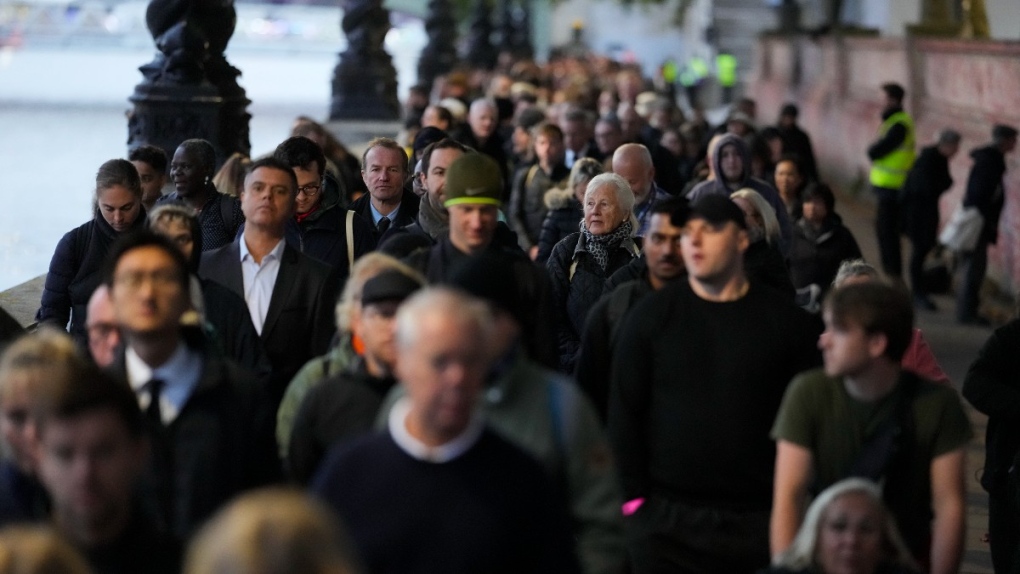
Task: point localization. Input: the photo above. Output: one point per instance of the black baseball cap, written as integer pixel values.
(716, 209)
(390, 285)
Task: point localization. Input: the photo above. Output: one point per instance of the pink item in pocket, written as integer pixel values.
(632, 506)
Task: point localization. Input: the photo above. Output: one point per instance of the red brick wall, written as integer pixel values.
(966, 85)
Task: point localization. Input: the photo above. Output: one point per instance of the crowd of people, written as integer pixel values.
(561, 326)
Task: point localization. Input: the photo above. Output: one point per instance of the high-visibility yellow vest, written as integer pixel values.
(890, 171)
(726, 69)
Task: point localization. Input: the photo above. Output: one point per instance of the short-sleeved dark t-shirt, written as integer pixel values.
(819, 414)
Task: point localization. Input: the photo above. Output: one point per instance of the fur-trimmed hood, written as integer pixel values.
(558, 198)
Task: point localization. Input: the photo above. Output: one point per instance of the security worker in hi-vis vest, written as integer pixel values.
(892, 156)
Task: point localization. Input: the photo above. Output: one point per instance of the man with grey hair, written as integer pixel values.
(633, 162)
(387, 203)
(437, 484)
(928, 179)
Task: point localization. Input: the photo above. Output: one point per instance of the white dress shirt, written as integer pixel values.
(180, 373)
(377, 215)
(421, 451)
(259, 280)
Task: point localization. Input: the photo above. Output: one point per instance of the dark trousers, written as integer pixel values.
(887, 230)
(672, 537)
(972, 269)
(922, 241)
(1004, 533)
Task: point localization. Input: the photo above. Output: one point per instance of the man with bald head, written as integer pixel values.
(633, 162)
(104, 336)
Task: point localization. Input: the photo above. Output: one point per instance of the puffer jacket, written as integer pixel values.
(574, 294)
(75, 272)
(565, 212)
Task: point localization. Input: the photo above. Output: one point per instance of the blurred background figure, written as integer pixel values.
(230, 178)
(847, 530)
(36, 550)
(29, 369)
(274, 531)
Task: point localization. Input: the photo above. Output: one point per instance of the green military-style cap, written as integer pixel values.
(473, 178)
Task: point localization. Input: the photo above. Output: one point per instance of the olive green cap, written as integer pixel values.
(473, 178)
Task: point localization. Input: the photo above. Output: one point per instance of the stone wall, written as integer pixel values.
(966, 85)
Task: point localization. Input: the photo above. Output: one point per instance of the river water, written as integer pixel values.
(62, 114)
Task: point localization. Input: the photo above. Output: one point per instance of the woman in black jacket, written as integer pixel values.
(75, 268)
(582, 261)
(564, 205)
(820, 241)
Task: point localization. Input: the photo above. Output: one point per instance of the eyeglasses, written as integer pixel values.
(310, 190)
(162, 278)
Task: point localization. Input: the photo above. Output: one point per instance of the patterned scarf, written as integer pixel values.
(599, 245)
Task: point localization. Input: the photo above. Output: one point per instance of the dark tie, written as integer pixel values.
(152, 412)
(383, 225)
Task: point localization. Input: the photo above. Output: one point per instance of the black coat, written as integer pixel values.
(594, 360)
(220, 444)
(324, 233)
(764, 263)
(992, 385)
(299, 323)
(340, 408)
(984, 189)
(815, 255)
(797, 142)
(928, 179)
(574, 296)
(75, 273)
(407, 214)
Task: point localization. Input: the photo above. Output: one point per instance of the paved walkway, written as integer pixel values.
(955, 347)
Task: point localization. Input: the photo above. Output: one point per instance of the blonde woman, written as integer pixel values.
(763, 261)
(847, 530)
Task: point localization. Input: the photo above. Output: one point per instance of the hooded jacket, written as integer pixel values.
(719, 185)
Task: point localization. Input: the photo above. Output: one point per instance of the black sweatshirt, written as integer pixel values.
(696, 387)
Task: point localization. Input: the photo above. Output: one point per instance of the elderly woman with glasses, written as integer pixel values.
(582, 261)
(846, 530)
(75, 268)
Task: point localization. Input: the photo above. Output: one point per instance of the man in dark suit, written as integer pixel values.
(387, 205)
(209, 422)
(290, 295)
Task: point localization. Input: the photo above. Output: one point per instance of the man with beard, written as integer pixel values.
(660, 265)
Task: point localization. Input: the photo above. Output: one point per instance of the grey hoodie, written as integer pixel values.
(720, 187)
